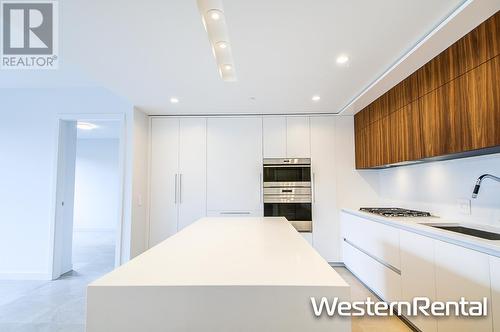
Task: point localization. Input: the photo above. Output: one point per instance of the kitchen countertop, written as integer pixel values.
(414, 224)
(220, 274)
(228, 251)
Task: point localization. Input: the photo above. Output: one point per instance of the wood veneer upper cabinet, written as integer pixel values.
(464, 114)
(480, 45)
(439, 71)
(405, 140)
(479, 105)
(360, 148)
(373, 145)
(441, 121)
(403, 93)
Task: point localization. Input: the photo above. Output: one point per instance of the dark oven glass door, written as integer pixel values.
(287, 174)
(291, 211)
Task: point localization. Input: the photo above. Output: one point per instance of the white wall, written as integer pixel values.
(140, 192)
(28, 145)
(436, 186)
(96, 185)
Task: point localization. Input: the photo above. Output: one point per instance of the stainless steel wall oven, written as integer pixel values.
(287, 191)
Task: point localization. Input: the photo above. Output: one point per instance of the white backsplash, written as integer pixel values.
(437, 186)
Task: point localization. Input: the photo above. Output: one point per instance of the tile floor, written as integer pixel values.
(43, 306)
(369, 324)
(53, 306)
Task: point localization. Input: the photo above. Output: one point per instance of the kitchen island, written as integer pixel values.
(220, 274)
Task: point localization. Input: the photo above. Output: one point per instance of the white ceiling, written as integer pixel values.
(284, 50)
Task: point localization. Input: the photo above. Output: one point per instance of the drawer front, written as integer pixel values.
(379, 240)
(382, 280)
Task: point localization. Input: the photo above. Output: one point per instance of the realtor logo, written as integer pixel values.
(29, 34)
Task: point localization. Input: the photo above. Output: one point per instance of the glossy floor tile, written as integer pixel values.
(57, 305)
(369, 324)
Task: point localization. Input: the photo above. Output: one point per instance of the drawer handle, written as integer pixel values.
(235, 212)
(387, 265)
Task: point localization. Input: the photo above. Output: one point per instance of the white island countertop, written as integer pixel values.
(229, 251)
(220, 274)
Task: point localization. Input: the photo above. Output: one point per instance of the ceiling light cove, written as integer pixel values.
(86, 126)
(174, 100)
(316, 98)
(212, 13)
(342, 59)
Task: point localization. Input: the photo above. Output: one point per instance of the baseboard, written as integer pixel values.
(25, 276)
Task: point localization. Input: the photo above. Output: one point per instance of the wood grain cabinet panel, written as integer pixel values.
(449, 106)
(441, 121)
(403, 93)
(405, 140)
(479, 105)
(361, 149)
(480, 45)
(373, 145)
(439, 71)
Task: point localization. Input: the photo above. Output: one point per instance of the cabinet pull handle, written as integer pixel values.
(175, 189)
(180, 188)
(235, 212)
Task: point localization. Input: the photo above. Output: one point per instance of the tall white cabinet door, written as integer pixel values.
(462, 272)
(326, 224)
(495, 292)
(192, 170)
(274, 133)
(234, 166)
(164, 165)
(298, 137)
(418, 274)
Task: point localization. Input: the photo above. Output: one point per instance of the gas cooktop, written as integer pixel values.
(395, 212)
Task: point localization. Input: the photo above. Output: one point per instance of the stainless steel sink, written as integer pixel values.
(462, 229)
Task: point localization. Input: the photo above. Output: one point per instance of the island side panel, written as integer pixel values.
(211, 308)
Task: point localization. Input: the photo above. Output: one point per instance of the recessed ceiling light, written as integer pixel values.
(86, 126)
(222, 45)
(174, 100)
(215, 14)
(342, 59)
(316, 98)
(228, 67)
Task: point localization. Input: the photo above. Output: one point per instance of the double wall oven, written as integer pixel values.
(287, 191)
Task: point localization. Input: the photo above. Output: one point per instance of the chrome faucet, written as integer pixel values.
(479, 180)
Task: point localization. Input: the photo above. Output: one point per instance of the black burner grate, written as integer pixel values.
(395, 212)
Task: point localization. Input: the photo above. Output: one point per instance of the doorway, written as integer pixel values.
(88, 211)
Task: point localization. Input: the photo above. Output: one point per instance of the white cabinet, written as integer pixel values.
(298, 137)
(274, 136)
(178, 150)
(326, 228)
(418, 274)
(495, 291)
(192, 170)
(234, 166)
(461, 272)
(381, 241)
(371, 252)
(164, 177)
(286, 137)
(382, 280)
